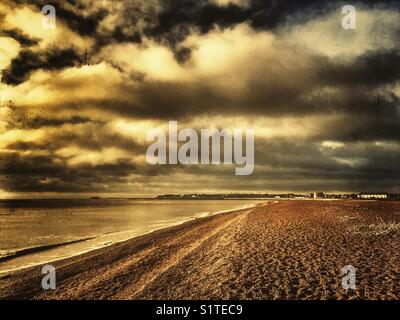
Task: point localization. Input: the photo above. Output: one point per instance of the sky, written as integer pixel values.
(77, 101)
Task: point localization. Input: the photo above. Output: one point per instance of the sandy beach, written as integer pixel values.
(278, 250)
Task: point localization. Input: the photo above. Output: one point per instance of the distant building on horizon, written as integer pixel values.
(318, 195)
(372, 195)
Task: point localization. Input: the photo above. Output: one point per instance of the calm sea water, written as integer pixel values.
(34, 232)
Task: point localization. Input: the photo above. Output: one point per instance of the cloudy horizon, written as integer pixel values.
(77, 101)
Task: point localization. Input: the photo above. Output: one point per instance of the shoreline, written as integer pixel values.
(25, 283)
(7, 273)
(278, 250)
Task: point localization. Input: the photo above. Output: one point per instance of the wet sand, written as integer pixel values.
(278, 250)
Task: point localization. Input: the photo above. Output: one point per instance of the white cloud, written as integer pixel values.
(9, 49)
(155, 61)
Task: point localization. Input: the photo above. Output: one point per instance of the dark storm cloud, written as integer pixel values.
(205, 15)
(375, 160)
(118, 35)
(52, 174)
(371, 69)
(355, 167)
(178, 15)
(18, 35)
(29, 61)
(363, 128)
(84, 25)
